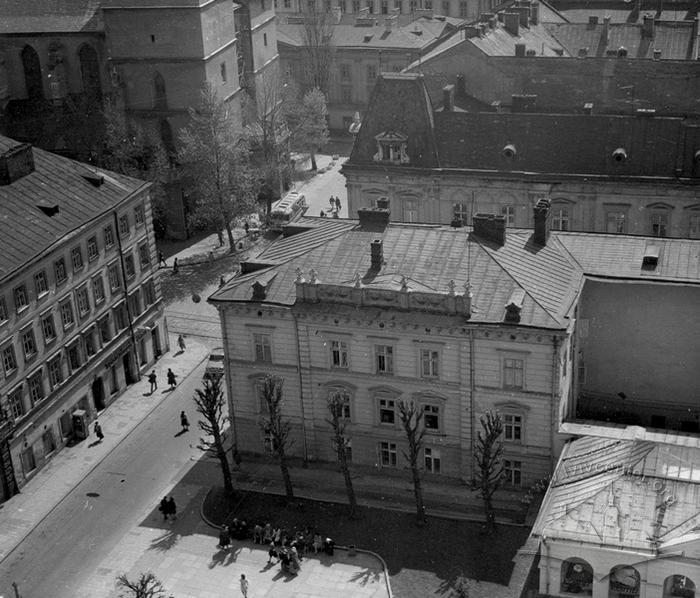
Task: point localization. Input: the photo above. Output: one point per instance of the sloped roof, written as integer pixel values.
(578, 14)
(50, 16)
(26, 231)
(499, 42)
(623, 493)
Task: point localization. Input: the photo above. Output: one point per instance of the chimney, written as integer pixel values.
(15, 163)
(582, 52)
(588, 108)
(337, 14)
(592, 21)
(490, 227)
(448, 98)
(373, 219)
(511, 20)
(535, 13)
(541, 212)
(524, 13)
(259, 291)
(460, 87)
(648, 27)
(521, 102)
(605, 35)
(389, 23)
(496, 106)
(520, 50)
(376, 255)
(514, 306)
(657, 54)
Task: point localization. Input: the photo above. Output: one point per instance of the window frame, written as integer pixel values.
(48, 317)
(265, 344)
(114, 276)
(384, 354)
(20, 292)
(82, 292)
(517, 428)
(389, 450)
(108, 235)
(386, 405)
(144, 255)
(15, 403)
(93, 249)
(432, 409)
(28, 335)
(4, 314)
(76, 258)
(66, 302)
(434, 359)
(659, 223)
(139, 212)
(34, 381)
(9, 359)
(560, 217)
(343, 351)
(513, 473)
(60, 271)
(55, 366)
(129, 264)
(432, 455)
(41, 283)
(124, 225)
(507, 366)
(95, 279)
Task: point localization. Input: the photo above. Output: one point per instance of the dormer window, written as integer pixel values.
(391, 148)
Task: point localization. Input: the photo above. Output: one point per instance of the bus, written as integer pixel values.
(288, 209)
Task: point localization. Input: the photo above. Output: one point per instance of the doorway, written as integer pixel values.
(128, 371)
(156, 343)
(98, 394)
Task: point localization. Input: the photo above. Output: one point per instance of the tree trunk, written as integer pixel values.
(352, 501)
(490, 517)
(225, 470)
(418, 493)
(314, 166)
(288, 488)
(231, 241)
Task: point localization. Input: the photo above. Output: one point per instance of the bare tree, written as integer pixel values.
(214, 158)
(210, 405)
(276, 428)
(307, 121)
(412, 421)
(317, 50)
(146, 586)
(489, 466)
(337, 402)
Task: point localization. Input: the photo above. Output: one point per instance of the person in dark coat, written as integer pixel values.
(153, 380)
(172, 508)
(98, 431)
(161, 259)
(184, 422)
(163, 508)
(171, 378)
(225, 538)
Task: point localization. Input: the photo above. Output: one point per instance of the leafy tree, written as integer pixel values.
(210, 405)
(489, 471)
(146, 586)
(276, 428)
(336, 403)
(308, 123)
(412, 421)
(214, 158)
(317, 50)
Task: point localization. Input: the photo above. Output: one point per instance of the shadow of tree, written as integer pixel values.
(366, 576)
(165, 541)
(224, 557)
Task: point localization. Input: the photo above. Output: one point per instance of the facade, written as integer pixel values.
(614, 173)
(81, 313)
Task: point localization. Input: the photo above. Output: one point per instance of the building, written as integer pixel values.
(81, 313)
(617, 173)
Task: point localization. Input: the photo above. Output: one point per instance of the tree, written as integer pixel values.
(317, 50)
(308, 123)
(489, 467)
(276, 428)
(337, 401)
(210, 405)
(146, 586)
(214, 158)
(412, 421)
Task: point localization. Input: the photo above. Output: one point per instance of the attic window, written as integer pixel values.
(96, 180)
(391, 148)
(651, 257)
(49, 210)
(514, 306)
(367, 38)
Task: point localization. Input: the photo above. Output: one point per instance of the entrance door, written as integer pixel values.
(156, 343)
(98, 394)
(128, 371)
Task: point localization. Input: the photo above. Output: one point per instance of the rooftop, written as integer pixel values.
(50, 16)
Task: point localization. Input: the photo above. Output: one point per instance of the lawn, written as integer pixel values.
(421, 561)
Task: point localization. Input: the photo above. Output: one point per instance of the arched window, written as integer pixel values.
(161, 99)
(32, 74)
(679, 586)
(624, 582)
(576, 577)
(560, 214)
(90, 71)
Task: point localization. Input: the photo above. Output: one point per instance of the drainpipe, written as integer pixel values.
(555, 361)
(126, 296)
(546, 581)
(472, 386)
(301, 395)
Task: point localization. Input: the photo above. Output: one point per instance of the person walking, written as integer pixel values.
(244, 585)
(153, 379)
(181, 343)
(337, 203)
(161, 259)
(163, 508)
(172, 508)
(332, 202)
(98, 431)
(225, 538)
(184, 422)
(171, 379)
(176, 267)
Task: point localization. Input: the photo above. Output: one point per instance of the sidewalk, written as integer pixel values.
(23, 512)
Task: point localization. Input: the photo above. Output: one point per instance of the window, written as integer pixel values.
(144, 256)
(48, 442)
(9, 362)
(55, 372)
(428, 5)
(74, 357)
(76, 258)
(264, 39)
(29, 343)
(109, 236)
(385, 7)
(149, 293)
(694, 225)
(59, 269)
(432, 460)
(674, 586)
(576, 577)
(355, 5)
(429, 363)
(508, 213)
(384, 359)
(410, 211)
(89, 342)
(463, 11)
(36, 387)
(370, 6)
(123, 225)
(263, 348)
(287, 3)
(27, 459)
(397, 5)
(659, 224)
(311, 5)
(92, 250)
(120, 319)
(98, 290)
(3, 310)
(135, 303)
(512, 471)
(346, 94)
(560, 219)
(113, 274)
(387, 411)
(328, 6)
(345, 72)
(129, 265)
(21, 298)
(81, 296)
(15, 403)
(615, 222)
(139, 216)
(460, 212)
(67, 313)
(48, 328)
(446, 8)
(412, 5)
(431, 417)
(339, 354)
(41, 284)
(105, 330)
(343, 407)
(371, 72)
(512, 373)
(387, 453)
(512, 427)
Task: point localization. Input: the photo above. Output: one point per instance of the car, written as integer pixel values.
(215, 365)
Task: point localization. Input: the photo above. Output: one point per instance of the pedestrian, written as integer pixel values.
(323, 214)
(98, 431)
(222, 282)
(153, 379)
(184, 422)
(318, 542)
(332, 202)
(163, 508)
(220, 234)
(211, 258)
(271, 553)
(172, 508)
(337, 203)
(335, 214)
(181, 342)
(176, 267)
(246, 226)
(171, 378)
(244, 585)
(267, 533)
(225, 538)
(257, 534)
(161, 259)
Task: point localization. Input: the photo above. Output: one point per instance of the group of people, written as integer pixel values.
(168, 508)
(334, 209)
(153, 380)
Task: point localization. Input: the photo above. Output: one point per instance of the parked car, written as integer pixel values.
(215, 364)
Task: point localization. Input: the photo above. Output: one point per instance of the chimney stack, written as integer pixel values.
(490, 227)
(373, 219)
(460, 87)
(376, 255)
(605, 36)
(648, 25)
(15, 163)
(535, 12)
(337, 14)
(520, 50)
(524, 15)
(521, 102)
(511, 20)
(588, 108)
(541, 213)
(448, 98)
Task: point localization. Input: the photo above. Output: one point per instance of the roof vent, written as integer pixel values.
(367, 38)
(96, 180)
(514, 306)
(657, 54)
(582, 52)
(15, 163)
(490, 227)
(619, 155)
(593, 20)
(622, 52)
(651, 257)
(588, 108)
(373, 219)
(259, 291)
(49, 210)
(376, 254)
(509, 152)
